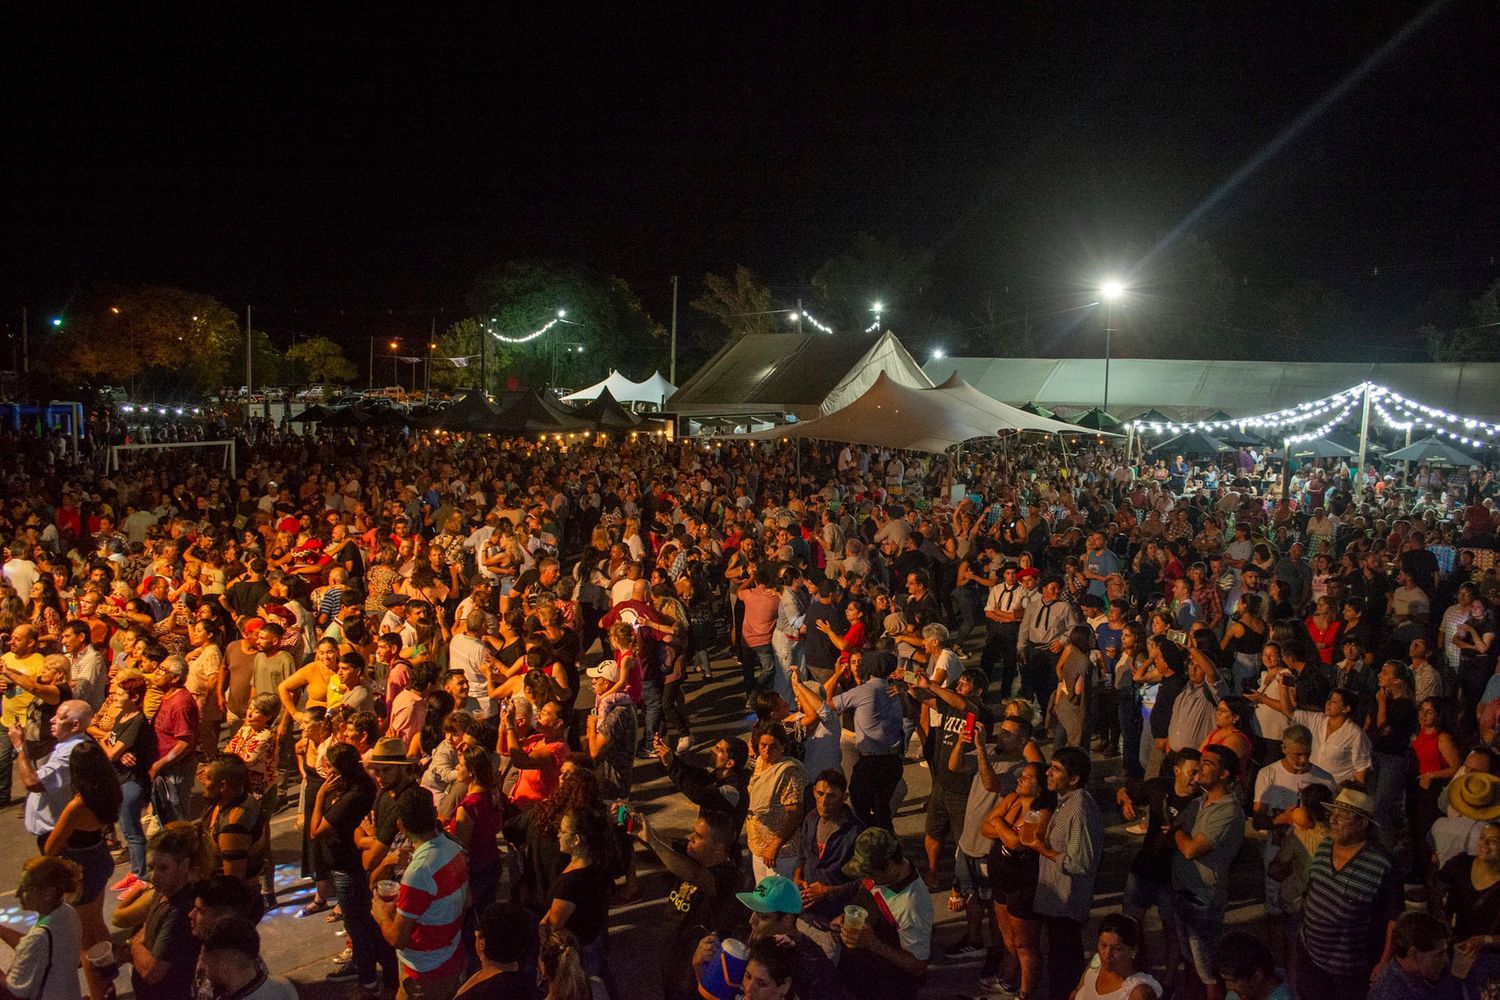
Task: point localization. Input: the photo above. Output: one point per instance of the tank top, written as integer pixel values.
(1251, 642)
(1424, 746)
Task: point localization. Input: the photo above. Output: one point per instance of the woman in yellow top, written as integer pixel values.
(315, 676)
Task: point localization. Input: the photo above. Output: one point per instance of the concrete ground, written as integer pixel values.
(302, 949)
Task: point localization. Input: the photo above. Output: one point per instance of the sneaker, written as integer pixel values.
(125, 883)
(684, 744)
(963, 949)
(342, 973)
(268, 901)
(996, 986)
(370, 990)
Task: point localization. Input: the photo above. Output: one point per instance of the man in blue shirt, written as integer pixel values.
(1099, 564)
(877, 736)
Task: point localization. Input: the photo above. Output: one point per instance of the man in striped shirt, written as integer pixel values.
(1353, 899)
(423, 922)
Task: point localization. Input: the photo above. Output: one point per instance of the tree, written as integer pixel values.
(604, 325)
(461, 341)
(321, 360)
(1477, 340)
(740, 301)
(175, 340)
(871, 271)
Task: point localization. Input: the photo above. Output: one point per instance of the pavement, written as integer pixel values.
(302, 949)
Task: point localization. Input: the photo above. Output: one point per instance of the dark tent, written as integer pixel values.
(1194, 443)
(1038, 410)
(605, 413)
(1152, 416)
(472, 412)
(1321, 448)
(363, 415)
(1432, 451)
(533, 412)
(1097, 420)
(315, 413)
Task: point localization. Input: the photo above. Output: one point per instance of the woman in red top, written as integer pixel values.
(1323, 626)
(1229, 731)
(1437, 758)
(851, 640)
(476, 821)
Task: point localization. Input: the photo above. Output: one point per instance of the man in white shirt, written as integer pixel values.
(467, 652)
(22, 572)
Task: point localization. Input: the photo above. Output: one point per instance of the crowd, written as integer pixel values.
(450, 660)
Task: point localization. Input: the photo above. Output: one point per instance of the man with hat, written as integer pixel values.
(396, 777)
(1473, 802)
(1003, 608)
(775, 904)
(1353, 897)
(887, 953)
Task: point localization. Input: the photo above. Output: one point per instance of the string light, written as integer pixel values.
(1323, 429)
(873, 326)
(823, 327)
(1299, 414)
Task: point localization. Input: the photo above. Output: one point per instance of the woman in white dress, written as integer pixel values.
(1112, 975)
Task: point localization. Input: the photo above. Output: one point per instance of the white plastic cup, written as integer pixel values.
(387, 888)
(855, 917)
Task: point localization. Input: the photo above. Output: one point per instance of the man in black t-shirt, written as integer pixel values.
(1156, 803)
(818, 651)
(961, 711)
(164, 953)
(704, 901)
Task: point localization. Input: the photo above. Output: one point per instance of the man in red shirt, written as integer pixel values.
(176, 725)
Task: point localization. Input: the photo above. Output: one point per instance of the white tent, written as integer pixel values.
(655, 390)
(892, 415)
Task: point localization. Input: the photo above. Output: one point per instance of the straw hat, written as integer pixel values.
(1475, 795)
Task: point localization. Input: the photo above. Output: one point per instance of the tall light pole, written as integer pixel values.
(1109, 292)
(395, 361)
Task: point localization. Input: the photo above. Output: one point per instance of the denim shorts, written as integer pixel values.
(971, 876)
(1199, 926)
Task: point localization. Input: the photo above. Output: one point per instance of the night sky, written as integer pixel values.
(311, 163)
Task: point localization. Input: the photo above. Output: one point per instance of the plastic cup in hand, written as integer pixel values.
(855, 917)
(387, 889)
(102, 958)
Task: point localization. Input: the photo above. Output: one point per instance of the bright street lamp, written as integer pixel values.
(937, 354)
(1110, 292)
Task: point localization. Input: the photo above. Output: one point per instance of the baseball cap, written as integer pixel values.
(607, 669)
(773, 894)
(874, 849)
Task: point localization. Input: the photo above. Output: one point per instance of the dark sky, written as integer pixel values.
(320, 162)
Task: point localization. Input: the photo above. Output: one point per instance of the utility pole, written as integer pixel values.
(484, 382)
(25, 345)
(372, 363)
(431, 343)
(672, 369)
(249, 353)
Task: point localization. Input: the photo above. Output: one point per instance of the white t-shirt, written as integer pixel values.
(32, 957)
(1269, 722)
(467, 653)
(1342, 752)
(1276, 788)
(912, 908)
(948, 661)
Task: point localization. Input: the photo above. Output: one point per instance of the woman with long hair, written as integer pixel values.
(1434, 752)
(435, 712)
(1243, 639)
(1068, 703)
(1018, 819)
(45, 611)
(560, 969)
(769, 968)
(79, 837)
(580, 895)
(1230, 730)
(381, 579)
(130, 745)
(1323, 628)
(542, 858)
(476, 822)
(341, 806)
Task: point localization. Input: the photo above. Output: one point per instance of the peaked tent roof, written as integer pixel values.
(1096, 419)
(655, 390)
(1431, 449)
(472, 412)
(806, 374)
(1241, 388)
(1192, 443)
(532, 412)
(1321, 448)
(605, 413)
(1003, 416)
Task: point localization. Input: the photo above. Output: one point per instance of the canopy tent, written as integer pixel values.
(1153, 416)
(655, 390)
(892, 415)
(534, 412)
(365, 415)
(1243, 388)
(1195, 443)
(1096, 419)
(472, 412)
(1010, 418)
(1033, 408)
(605, 413)
(1432, 451)
(1321, 448)
(805, 375)
(313, 414)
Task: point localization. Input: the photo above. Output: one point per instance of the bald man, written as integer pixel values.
(49, 783)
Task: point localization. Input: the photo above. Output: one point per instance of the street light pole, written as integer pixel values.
(672, 366)
(1109, 292)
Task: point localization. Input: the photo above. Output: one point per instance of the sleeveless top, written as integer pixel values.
(1250, 643)
(1088, 990)
(1424, 746)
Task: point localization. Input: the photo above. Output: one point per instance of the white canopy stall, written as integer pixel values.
(655, 390)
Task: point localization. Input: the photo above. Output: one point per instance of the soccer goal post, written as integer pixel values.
(227, 447)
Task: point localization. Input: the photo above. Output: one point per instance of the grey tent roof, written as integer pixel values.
(1321, 448)
(807, 374)
(471, 412)
(1433, 451)
(1194, 389)
(535, 412)
(605, 413)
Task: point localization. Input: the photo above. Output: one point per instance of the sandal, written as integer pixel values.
(316, 906)
(335, 916)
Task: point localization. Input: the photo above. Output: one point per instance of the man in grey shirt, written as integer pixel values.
(1208, 834)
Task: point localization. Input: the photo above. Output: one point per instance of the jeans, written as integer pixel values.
(7, 761)
(1390, 796)
(674, 707)
(1128, 710)
(352, 889)
(765, 659)
(651, 701)
(169, 794)
(134, 796)
(1000, 647)
(966, 608)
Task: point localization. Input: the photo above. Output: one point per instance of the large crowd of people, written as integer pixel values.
(450, 660)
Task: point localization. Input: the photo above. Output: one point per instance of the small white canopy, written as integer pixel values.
(892, 415)
(656, 390)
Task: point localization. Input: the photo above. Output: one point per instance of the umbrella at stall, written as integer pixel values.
(1037, 410)
(1432, 451)
(533, 412)
(315, 413)
(472, 412)
(1151, 416)
(1096, 419)
(1321, 448)
(1195, 443)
